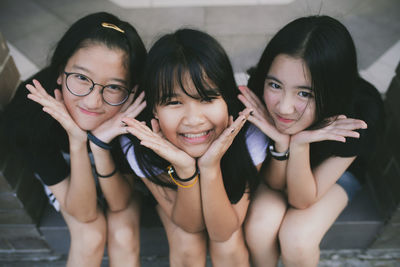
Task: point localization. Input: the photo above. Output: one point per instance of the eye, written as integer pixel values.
(115, 87)
(81, 77)
(207, 100)
(274, 85)
(306, 94)
(172, 103)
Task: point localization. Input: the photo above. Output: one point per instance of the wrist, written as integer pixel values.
(77, 145)
(186, 182)
(98, 142)
(183, 174)
(278, 154)
(298, 146)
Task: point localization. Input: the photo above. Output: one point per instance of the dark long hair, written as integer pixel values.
(328, 51)
(26, 123)
(197, 54)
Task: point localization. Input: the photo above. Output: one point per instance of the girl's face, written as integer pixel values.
(288, 94)
(103, 66)
(192, 124)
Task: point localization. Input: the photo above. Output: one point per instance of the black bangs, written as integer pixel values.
(168, 78)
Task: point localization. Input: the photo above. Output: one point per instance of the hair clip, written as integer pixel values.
(112, 26)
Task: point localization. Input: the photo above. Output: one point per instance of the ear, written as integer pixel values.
(59, 79)
(155, 114)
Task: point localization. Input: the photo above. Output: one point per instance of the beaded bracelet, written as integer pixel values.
(98, 142)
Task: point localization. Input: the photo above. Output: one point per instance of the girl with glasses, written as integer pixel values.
(66, 123)
(323, 120)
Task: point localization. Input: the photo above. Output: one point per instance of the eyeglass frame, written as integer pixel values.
(67, 74)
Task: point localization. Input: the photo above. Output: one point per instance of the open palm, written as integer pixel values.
(55, 107)
(155, 140)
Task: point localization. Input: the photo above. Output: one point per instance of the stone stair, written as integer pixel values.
(356, 228)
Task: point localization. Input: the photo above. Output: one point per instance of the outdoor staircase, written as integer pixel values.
(356, 228)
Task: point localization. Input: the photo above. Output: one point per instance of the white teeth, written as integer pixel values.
(187, 135)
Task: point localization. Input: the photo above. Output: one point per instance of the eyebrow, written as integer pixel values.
(77, 68)
(270, 77)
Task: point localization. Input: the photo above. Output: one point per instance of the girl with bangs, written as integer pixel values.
(195, 152)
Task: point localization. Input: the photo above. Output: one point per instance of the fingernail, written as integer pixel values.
(251, 113)
(233, 130)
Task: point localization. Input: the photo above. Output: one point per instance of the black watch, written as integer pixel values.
(278, 155)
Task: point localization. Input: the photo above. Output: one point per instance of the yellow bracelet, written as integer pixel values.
(184, 186)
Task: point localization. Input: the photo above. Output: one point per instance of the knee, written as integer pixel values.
(125, 236)
(295, 243)
(91, 240)
(234, 249)
(188, 251)
(261, 228)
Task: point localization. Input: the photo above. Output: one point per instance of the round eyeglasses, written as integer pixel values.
(81, 85)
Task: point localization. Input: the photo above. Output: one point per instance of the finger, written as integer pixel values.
(39, 99)
(346, 133)
(245, 101)
(139, 127)
(141, 135)
(155, 126)
(134, 89)
(58, 95)
(32, 89)
(39, 88)
(127, 103)
(138, 109)
(230, 120)
(350, 124)
(250, 96)
(137, 106)
(334, 137)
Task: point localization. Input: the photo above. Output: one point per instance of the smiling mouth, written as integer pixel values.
(196, 137)
(284, 120)
(89, 112)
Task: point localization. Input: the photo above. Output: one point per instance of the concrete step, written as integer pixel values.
(355, 228)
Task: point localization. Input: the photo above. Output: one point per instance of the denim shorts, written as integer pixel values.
(350, 184)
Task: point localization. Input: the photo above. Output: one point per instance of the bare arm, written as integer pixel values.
(222, 218)
(117, 189)
(274, 173)
(79, 198)
(306, 185)
(184, 205)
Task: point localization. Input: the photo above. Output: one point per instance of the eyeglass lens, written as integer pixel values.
(81, 85)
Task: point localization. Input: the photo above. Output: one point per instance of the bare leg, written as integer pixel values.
(185, 249)
(123, 235)
(302, 230)
(87, 240)
(232, 252)
(264, 218)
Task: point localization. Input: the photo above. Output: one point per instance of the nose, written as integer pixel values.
(286, 104)
(94, 100)
(194, 115)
